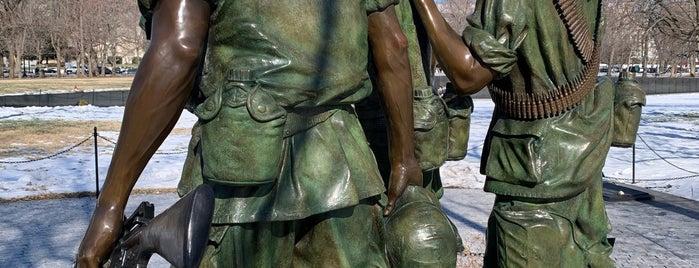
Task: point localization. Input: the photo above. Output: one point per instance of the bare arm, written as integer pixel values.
(395, 87)
(462, 68)
(158, 94)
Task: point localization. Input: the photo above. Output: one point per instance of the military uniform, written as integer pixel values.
(296, 184)
(550, 132)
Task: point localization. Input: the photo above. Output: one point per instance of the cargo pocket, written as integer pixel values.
(459, 111)
(242, 136)
(431, 129)
(515, 159)
(533, 238)
(629, 98)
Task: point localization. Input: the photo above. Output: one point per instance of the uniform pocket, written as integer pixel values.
(431, 129)
(517, 160)
(459, 111)
(629, 99)
(534, 238)
(242, 138)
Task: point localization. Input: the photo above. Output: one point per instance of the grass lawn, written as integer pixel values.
(36, 85)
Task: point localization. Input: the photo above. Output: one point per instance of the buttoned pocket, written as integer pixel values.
(242, 136)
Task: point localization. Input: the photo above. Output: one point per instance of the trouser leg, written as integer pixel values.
(259, 244)
(349, 237)
(526, 234)
(593, 228)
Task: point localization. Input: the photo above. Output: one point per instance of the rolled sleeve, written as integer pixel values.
(377, 5)
(492, 53)
(497, 29)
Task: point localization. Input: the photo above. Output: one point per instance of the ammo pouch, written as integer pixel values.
(629, 98)
(242, 133)
(459, 109)
(431, 128)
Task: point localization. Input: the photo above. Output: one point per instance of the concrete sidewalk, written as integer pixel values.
(662, 232)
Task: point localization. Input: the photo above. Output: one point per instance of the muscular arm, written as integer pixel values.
(158, 94)
(462, 68)
(390, 49)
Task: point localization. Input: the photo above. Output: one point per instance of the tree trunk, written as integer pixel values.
(60, 62)
(644, 55)
(12, 57)
(610, 66)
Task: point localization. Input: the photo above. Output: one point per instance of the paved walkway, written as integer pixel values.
(662, 232)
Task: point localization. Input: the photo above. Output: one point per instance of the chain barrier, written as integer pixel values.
(72, 147)
(696, 174)
(650, 180)
(663, 158)
(171, 152)
(48, 156)
(107, 139)
(157, 152)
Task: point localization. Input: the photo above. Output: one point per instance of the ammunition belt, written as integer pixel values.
(548, 103)
(565, 97)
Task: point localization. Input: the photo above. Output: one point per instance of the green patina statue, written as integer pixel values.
(418, 234)
(273, 84)
(551, 128)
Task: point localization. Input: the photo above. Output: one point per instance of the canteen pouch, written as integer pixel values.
(431, 128)
(242, 136)
(629, 98)
(459, 109)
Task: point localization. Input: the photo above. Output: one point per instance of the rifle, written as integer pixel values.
(179, 234)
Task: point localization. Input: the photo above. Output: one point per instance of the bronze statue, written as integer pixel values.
(273, 83)
(551, 128)
(418, 234)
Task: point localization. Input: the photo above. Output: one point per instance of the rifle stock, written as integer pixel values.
(179, 234)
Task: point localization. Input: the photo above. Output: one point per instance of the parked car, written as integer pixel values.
(129, 71)
(50, 70)
(106, 70)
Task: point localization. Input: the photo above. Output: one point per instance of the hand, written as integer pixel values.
(103, 231)
(402, 174)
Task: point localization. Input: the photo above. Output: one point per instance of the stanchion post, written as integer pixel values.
(97, 170)
(633, 164)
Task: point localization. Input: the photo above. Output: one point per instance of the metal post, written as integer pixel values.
(633, 164)
(97, 170)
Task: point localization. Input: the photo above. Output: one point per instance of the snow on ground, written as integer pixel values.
(666, 153)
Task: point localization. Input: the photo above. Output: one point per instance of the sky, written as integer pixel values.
(666, 152)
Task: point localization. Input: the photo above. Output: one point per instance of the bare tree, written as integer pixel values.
(81, 35)
(679, 19)
(59, 30)
(93, 32)
(37, 43)
(132, 39)
(13, 32)
(620, 38)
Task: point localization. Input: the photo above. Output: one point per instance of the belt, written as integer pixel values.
(298, 120)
